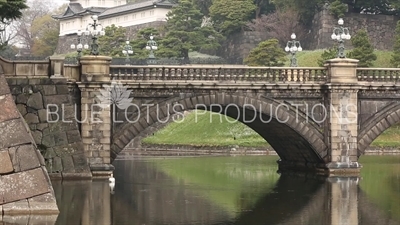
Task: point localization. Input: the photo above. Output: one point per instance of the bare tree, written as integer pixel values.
(280, 25)
(23, 26)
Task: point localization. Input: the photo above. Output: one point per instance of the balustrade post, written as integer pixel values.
(342, 116)
(57, 66)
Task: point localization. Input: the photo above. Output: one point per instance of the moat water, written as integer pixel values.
(229, 190)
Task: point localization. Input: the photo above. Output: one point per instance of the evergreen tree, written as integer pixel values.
(395, 60)
(363, 49)
(230, 16)
(185, 33)
(140, 41)
(112, 42)
(267, 53)
(329, 53)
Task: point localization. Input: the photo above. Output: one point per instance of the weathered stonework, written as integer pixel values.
(380, 29)
(23, 175)
(47, 106)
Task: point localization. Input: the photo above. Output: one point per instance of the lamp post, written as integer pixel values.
(151, 46)
(293, 46)
(340, 34)
(127, 51)
(91, 29)
(79, 46)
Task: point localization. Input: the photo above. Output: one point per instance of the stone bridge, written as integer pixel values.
(319, 119)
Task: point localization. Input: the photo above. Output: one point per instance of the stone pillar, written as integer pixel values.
(56, 66)
(342, 112)
(96, 117)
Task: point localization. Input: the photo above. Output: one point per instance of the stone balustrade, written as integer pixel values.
(219, 73)
(391, 75)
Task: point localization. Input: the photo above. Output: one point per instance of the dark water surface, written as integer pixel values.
(231, 190)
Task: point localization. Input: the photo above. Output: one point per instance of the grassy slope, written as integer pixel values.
(198, 131)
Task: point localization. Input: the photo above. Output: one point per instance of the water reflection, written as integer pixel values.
(227, 190)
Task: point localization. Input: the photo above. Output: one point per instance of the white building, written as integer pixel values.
(118, 12)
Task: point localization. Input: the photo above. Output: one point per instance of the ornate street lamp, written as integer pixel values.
(92, 29)
(127, 51)
(293, 46)
(79, 46)
(151, 46)
(340, 34)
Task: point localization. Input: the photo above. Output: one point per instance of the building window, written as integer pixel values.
(134, 16)
(109, 21)
(143, 14)
(117, 19)
(151, 12)
(62, 26)
(103, 2)
(125, 18)
(99, 2)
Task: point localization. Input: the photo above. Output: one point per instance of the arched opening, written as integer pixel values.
(291, 135)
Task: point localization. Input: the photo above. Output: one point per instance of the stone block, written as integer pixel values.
(73, 136)
(43, 204)
(6, 165)
(8, 110)
(22, 109)
(42, 115)
(27, 157)
(16, 134)
(48, 141)
(49, 90)
(35, 101)
(60, 138)
(22, 185)
(68, 163)
(62, 89)
(16, 208)
(57, 166)
(31, 118)
(56, 99)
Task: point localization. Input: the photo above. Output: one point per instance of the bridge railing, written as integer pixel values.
(219, 73)
(379, 74)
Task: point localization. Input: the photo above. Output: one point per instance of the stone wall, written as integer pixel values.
(380, 29)
(25, 187)
(48, 109)
(237, 47)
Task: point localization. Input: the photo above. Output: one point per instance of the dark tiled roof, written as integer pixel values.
(135, 6)
(76, 9)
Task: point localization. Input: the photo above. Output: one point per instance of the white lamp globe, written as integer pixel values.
(295, 48)
(300, 49)
(147, 47)
(155, 47)
(340, 21)
(124, 52)
(72, 46)
(333, 36)
(86, 46)
(287, 48)
(293, 36)
(79, 46)
(130, 52)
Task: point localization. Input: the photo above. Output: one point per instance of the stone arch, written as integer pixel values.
(376, 125)
(296, 140)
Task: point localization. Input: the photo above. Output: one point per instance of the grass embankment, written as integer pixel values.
(196, 129)
(310, 58)
(215, 130)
